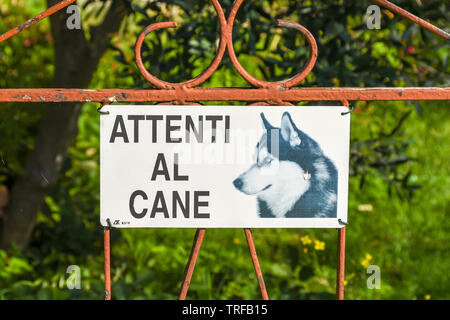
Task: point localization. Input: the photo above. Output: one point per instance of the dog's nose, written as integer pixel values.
(238, 183)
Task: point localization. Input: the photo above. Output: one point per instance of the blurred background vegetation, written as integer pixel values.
(399, 195)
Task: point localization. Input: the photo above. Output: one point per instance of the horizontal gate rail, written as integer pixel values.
(218, 94)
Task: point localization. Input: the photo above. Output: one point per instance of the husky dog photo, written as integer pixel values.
(291, 176)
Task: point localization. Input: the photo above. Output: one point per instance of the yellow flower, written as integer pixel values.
(427, 296)
(389, 14)
(319, 245)
(366, 207)
(305, 250)
(236, 241)
(367, 261)
(305, 240)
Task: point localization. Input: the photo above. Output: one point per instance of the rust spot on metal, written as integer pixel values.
(28, 23)
(60, 97)
(261, 280)
(122, 96)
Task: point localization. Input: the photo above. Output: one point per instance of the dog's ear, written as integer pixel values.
(266, 123)
(289, 130)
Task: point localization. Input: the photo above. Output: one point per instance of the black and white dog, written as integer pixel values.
(291, 177)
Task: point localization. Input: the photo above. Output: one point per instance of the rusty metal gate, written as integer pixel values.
(263, 93)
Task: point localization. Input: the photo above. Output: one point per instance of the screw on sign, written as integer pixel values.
(279, 93)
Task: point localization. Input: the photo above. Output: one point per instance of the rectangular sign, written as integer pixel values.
(224, 166)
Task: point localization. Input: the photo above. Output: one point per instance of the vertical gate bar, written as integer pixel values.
(107, 248)
(341, 265)
(198, 239)
(259, 275)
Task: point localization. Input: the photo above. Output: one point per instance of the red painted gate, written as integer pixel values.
(263, 93)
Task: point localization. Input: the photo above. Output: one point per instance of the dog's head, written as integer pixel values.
(276, 158)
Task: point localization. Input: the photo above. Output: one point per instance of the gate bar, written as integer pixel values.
(341, 264)
(36, 19)
(198, 239)
(107, 248)
(414, 18)
(217, 94)
(259, 275)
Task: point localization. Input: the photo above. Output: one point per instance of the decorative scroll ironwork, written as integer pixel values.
(280, 93)
(226, 42)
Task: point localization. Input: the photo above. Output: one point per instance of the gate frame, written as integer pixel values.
(262, 93)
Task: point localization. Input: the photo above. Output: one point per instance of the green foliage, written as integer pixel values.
(25, 61)
(408, 237)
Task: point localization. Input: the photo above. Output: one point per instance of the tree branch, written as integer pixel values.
(101, 35)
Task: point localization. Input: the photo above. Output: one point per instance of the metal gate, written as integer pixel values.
(263, 93)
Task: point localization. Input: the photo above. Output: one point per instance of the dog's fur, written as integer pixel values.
(291, 177)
